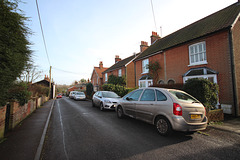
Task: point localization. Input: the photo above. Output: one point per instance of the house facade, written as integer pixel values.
(122, 68)
(96, 78)
(208, 48)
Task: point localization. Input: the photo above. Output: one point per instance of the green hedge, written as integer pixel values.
(118, 89)
(204, 90)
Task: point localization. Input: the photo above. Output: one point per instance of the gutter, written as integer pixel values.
(233, 72)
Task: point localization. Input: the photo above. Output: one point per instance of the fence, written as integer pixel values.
(12, 114)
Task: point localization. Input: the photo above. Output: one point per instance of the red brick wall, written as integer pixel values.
(2, 120)
(236, 51)
(177, 61)
(95, 79)
(114, 72)
(130, 76)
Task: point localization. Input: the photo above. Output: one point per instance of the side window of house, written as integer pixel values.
(145, 66)
(119, 73)
(148, 95)
(135, 96)
(197, 53)
(160, 96)
(106, 77)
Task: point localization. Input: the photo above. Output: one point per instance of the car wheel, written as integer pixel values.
(101, 107)
(163, 126)
(93, 105)
(120, 113)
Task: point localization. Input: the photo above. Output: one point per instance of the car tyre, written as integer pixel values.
(101, 107)
(120, 113)
(163, 126)
(93, 105)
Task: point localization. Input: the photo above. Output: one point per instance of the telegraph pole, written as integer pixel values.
(50, 84)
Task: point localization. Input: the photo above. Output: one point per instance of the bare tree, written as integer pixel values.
(30, 73)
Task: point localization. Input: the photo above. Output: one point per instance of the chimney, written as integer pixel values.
(143, 46)
(101, 65)
(117, 59)
(154, 37)
(46, 78)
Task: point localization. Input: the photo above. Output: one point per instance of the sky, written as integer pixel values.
(81, 33)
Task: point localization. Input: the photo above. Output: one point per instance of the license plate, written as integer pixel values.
(195, 116)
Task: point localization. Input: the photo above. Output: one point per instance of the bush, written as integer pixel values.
(204, 90)
(19, 92)
(38, 90)
(89, 90)
(118, 89)
(116, 80)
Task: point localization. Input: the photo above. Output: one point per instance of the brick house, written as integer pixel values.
(96, 78)
(122, 68)
(208, 48)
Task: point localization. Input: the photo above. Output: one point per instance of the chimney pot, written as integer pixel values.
(101, 65)
(117, 59)
(143, 46)
(154, 37)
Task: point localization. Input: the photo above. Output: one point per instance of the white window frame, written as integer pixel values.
(145, 64)
(106, 77)
(120, 73)
(197, 54)
(214, 76)
(145, 83)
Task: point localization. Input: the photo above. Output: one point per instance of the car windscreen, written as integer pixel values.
(183, 96)
(109, 95)
(80, 93)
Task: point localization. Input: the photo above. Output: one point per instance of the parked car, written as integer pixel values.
(79, 96)
(59, 96)
(167, 109)
(105, 100)
(71, 95)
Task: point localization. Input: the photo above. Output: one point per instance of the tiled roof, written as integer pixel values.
(220, 20)
(121, 63)
(99, 71)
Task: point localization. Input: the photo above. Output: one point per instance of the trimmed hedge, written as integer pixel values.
(118, 89)
(204, 90)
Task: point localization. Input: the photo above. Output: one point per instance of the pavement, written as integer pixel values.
(27, 139)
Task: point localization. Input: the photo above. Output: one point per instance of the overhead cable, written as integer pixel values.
(43, 34)
(154, 16)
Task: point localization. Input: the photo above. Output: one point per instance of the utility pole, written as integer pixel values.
(50, 84)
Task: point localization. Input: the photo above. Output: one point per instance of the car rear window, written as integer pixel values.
(110, 95)
(183, 96)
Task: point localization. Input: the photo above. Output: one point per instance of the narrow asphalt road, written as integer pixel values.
(79, 131)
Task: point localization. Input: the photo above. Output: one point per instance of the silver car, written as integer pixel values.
(167, 109)
(105, 100)
(79, 96)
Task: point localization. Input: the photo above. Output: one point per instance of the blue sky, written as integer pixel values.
(79, 33)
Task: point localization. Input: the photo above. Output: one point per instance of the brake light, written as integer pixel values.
(177, 109)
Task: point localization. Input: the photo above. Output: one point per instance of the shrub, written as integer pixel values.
(204, 90)
(89, 90)
(19, 92)
(116, 80)
(118, 89)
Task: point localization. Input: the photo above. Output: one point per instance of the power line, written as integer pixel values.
(67, 71)
(154, 16)
(42, 33)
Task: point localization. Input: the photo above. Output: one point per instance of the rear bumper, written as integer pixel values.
(179, 124)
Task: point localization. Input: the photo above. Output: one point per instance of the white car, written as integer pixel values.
(79, 96)
(72, 93)
(105, 100)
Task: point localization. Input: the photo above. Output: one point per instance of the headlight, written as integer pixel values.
(107, 101)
